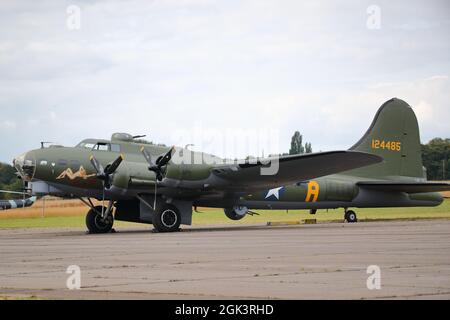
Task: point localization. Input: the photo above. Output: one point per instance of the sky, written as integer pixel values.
(231, 77)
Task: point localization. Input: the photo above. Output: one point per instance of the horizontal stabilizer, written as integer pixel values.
(413, 187)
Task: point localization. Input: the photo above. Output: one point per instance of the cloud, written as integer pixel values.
(7, 125)
(149, 67)
(352, 113)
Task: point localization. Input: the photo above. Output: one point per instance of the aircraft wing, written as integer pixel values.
(292, 168)
(421, 187)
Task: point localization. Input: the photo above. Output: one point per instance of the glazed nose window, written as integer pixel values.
(18, 164)
(29, 168)
(25, 166)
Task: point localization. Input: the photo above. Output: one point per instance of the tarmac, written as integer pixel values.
(321, 261)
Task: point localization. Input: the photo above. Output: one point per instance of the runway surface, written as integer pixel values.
(323, 261)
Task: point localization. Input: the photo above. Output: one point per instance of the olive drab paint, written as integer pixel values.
(393, 135)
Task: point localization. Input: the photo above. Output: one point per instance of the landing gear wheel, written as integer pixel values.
(167, 219)
(96, 224)
(236, 213)
(350, 216)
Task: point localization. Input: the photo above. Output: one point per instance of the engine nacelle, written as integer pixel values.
(236, 213)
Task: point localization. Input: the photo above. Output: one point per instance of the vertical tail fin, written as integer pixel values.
(393, 135)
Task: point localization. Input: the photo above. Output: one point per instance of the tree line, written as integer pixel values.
(9, 181)
(436, 159)
(297, 144)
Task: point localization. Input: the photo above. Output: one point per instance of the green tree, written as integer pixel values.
(308, 147)
(8, 181)
(297, 145)
(436, 159)
(7, 173)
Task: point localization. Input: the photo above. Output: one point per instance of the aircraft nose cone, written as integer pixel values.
(25, 165)
(18, 163)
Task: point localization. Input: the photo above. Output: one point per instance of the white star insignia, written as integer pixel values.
(274, 192)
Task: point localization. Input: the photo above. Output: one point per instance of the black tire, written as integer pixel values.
(231, 214)
(167, 219)
(96, 224)
(350, 216)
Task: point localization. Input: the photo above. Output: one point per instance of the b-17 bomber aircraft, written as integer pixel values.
(146, 183)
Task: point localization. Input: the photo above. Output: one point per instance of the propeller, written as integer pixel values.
(157, 166)
(105, 175)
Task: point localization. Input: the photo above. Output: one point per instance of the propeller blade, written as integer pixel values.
(166, 158)
(148, 156)
(161, 162)
(105, 174)
(110, 169)
(97, 165)
(156, 190)
(103, 200)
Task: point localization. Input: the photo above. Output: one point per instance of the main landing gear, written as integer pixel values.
(98, 224)
(350, 216)
(167, 218)
(99, 219)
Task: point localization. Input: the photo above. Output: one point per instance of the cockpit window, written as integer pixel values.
(86, 145)
(115, 148)
(101, 147)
